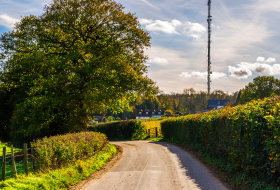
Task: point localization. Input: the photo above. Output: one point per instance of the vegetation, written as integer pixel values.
(8, 148)
(78, 57)
(245, 138)
(176, 102)
(62, 150)
(62, 178)
(130, 129)
(261, 87)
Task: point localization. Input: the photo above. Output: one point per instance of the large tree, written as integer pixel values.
(261, 87)
(78, 57)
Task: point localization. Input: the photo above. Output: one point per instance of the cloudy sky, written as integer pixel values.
(245, 39)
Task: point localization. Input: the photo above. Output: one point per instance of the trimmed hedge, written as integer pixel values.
(57, 151)
(122, 129)
(247, 136)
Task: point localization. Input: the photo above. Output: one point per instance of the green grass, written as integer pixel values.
(19, 167)
(9, 168)
(8, 148)
(63, 178)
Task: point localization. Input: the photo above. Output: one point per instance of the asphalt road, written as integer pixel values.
(155, 165)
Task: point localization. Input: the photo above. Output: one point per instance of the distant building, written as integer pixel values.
(217, 103)
(147, 114)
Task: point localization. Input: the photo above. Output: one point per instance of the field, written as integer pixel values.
(152, 125)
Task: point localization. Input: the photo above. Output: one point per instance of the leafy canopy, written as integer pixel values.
(261, 87)
(78, 57)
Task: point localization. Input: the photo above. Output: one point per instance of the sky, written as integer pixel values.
(245, 39)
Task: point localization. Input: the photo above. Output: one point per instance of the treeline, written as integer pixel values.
(190, 98)
(259, 88)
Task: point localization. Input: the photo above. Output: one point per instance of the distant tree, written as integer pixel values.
(261, 87)
(218, 94)
(143, 103)
(168, 112)
(238, 98)
(78, 57)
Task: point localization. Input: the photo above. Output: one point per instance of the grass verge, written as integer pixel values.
(237, 179)
(63, 178)
(8, 148)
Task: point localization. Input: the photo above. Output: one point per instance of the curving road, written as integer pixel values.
(150, 165)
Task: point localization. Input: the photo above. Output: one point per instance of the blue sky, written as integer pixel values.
(245, 39)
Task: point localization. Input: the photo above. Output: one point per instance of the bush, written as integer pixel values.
(247, 136)
(122, 129)
(60, 150)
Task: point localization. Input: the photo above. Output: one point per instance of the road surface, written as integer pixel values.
(148, 165)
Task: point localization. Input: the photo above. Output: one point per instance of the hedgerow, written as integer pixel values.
(57, 151)
(128, 129)
(247, 136)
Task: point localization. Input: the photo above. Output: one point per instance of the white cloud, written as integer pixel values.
(194, 30)
(195, 27)
(244, 70)
(260, 59)
(158, 60)
(270, 60)
(8, 21)
(239, 72)
(145, 21)
(164, 26)
(214, 75)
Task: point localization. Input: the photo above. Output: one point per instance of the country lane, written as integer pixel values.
(148, 165)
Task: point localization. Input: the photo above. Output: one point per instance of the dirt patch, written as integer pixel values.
(213, 169)
(129, 144)
(97, 175)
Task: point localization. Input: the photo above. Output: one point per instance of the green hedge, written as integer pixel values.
(247, 136)
(128, 129)
(57, 151)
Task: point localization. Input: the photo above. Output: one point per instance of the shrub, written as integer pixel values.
(60, 150)
(121, 129)
(246, 136)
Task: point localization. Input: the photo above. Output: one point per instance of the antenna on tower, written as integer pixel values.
(209, 20)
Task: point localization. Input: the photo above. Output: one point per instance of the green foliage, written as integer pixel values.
(261, 87)
(61, 150)
(122, 129)
(191, 99)
(110, 118)
(62, 178)
(78, 57)
(168, 112)
(246, 136)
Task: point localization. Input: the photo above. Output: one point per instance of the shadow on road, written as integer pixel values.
(193, 169)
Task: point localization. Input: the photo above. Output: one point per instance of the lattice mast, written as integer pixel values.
(209, 20)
